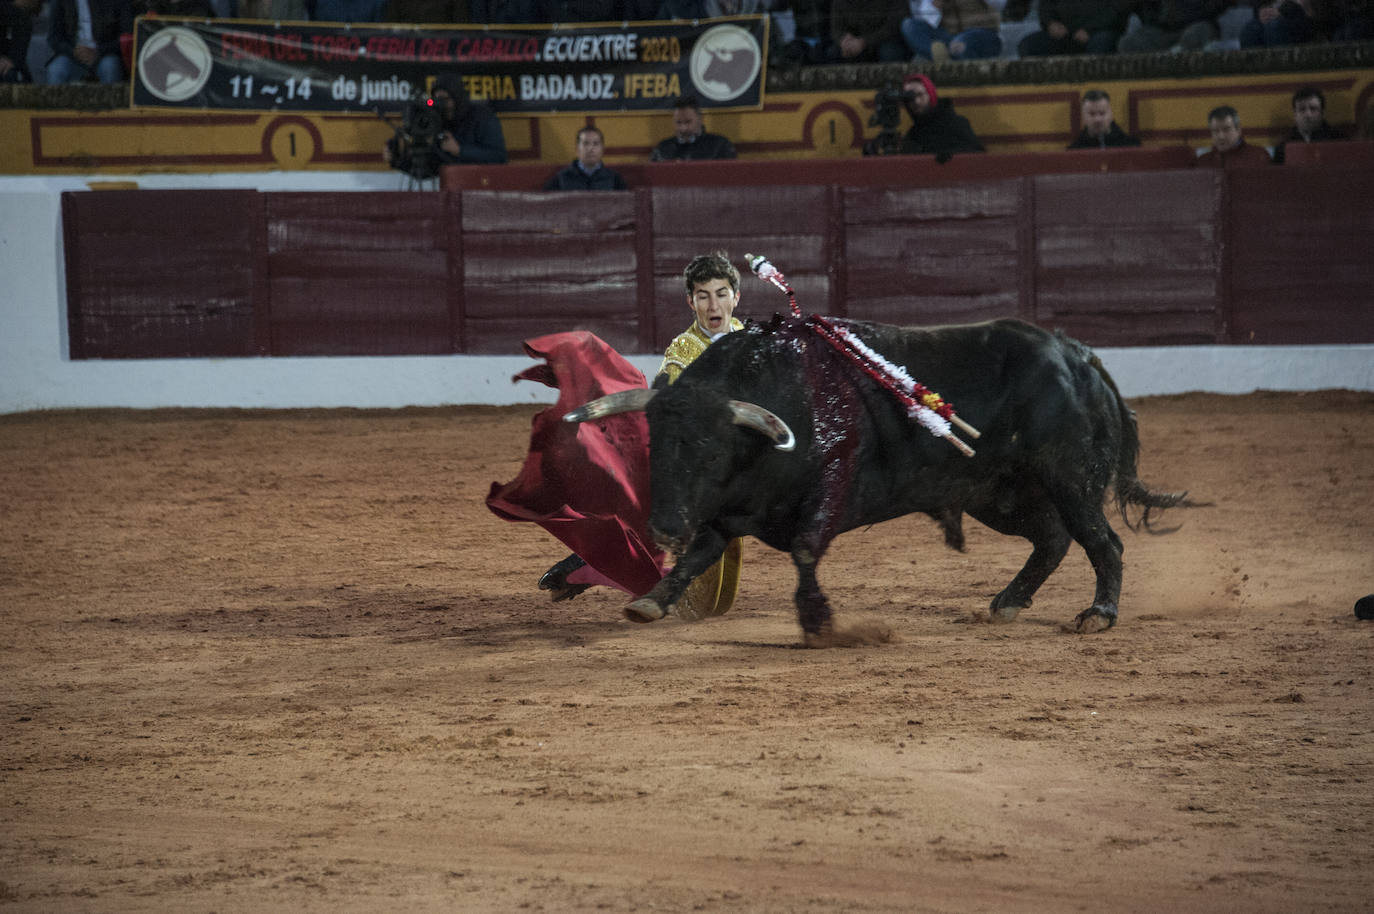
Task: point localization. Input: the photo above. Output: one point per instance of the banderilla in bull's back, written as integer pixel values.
(777, 434)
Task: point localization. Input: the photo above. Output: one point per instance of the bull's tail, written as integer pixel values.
(1128, 487)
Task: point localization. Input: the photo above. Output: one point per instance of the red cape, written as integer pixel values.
(587, 483)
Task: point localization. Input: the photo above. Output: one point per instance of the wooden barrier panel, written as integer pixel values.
(1129, 258)
(1300, 266)
(164, 274)
(539, 263)
(1353, 152)
(1130, 261)
(359, 274)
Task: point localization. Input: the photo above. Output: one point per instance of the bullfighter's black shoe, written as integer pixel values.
(556, 579)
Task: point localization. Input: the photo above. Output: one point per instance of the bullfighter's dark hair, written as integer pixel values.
(1221, 112)
(1309, 92)
(1096, 95)
(706, 267)
(589, 128)
(687, 101)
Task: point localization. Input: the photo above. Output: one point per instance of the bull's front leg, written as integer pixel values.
(813, 609)
(705, 550)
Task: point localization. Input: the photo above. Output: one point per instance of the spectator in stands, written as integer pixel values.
(940, 30)
(427, 11)
(1100, 131)
(1229, 149)
(811, 32)
(1075, 27)
(471, 133)
(505, 12)
(864, 31)
(84, 38)
(935, 130)
(1344, 20)
(349, 10)
(587, 171)
(16, 30)
(690, 139)
(276, 10)
(1309, 121)
(581, 10)
(198, 9)
(1277, 23)
(1184, 25)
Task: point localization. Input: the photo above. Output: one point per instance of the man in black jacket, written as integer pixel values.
(16, 29)
(84, 38)
(1309, 121)
(471, 134)
(1099, 129)
(935, 130)
(587, 171)
(690, 139)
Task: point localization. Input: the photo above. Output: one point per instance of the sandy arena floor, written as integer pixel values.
(288, 661)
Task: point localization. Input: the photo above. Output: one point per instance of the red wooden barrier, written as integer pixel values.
(1131, 257)
(849, 172)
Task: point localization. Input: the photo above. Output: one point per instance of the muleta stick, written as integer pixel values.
(921, 403)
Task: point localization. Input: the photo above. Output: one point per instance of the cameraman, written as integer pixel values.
(470, 134)
(935, 130)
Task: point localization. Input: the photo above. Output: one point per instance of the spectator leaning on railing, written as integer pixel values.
(1229, 149)
(690, 141)
(587, 171)
(1100, 130)
(1309, 121)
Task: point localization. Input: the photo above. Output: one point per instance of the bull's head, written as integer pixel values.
(748, 415)
(690, 463)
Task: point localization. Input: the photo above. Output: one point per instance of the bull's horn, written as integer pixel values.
(625, 401)
(761, 420)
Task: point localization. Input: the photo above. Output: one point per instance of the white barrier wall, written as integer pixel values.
(35, 372)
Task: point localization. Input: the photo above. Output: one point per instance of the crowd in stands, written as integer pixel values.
(83, 35)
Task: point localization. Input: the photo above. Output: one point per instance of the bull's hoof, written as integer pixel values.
(1005, 608)
(644, 610)
(1094, 619)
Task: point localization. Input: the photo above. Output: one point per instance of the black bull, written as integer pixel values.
(1056, 438)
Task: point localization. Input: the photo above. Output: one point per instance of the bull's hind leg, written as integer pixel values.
(1038, 521)
(1088, 525)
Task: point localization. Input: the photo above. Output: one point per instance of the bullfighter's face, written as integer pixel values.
(713, 302)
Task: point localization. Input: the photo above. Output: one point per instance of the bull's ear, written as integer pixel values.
(751, 415)
(625, 401)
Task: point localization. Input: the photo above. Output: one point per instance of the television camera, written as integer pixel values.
(887, 116)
